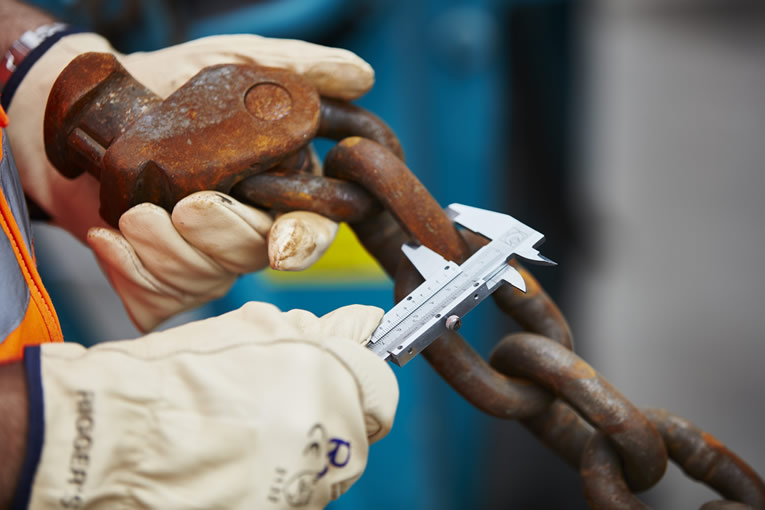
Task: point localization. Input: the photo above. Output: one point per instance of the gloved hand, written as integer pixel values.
(161, 264)
(253, 409)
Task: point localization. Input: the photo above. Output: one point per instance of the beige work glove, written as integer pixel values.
(253, 409)
(161, 264)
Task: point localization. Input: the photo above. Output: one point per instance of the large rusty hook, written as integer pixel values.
(227, 123)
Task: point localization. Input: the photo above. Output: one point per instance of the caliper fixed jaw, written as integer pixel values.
(523, 240)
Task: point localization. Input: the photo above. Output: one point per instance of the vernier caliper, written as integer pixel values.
(451, 290)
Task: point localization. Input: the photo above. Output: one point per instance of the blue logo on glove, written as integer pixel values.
(339, 455)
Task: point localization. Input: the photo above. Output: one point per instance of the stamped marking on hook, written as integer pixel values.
(268, 101)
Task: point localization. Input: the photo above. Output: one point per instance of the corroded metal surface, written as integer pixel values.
(573, 380)
(704, 458)
(340, 119)
(225, 124)
(562, 430)
(336, 199)
(383, 174)
(701, 456)
(602, 478)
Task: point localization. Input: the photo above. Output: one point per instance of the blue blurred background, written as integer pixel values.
(623, 130)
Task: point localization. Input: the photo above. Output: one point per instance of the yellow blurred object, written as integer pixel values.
(346, 262)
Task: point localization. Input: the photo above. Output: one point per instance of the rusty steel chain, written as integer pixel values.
(96, 121)
(534, 376)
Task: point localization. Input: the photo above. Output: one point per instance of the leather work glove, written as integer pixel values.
(252, 409)
(163, 264)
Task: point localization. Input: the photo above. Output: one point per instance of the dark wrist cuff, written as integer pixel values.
(29, 60)
(35, 428)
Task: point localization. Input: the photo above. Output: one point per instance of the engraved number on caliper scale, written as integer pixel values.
(432, 300)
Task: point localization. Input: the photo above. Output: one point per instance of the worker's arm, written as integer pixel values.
(256, 408)
(13, 428)
(16, 18)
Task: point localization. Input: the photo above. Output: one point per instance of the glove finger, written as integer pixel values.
(166, 254)
(377, 383)
(353, 322)
(262, 318)
(334, 72)
(229, 232)
(298, 239)
(147, 300)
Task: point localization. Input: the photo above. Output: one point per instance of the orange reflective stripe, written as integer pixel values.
(33, 330)
(40, 323)
(3, 123)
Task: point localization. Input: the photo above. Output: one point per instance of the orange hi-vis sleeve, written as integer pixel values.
(40, 323)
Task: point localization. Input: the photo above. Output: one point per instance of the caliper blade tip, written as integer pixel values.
(532, 255)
